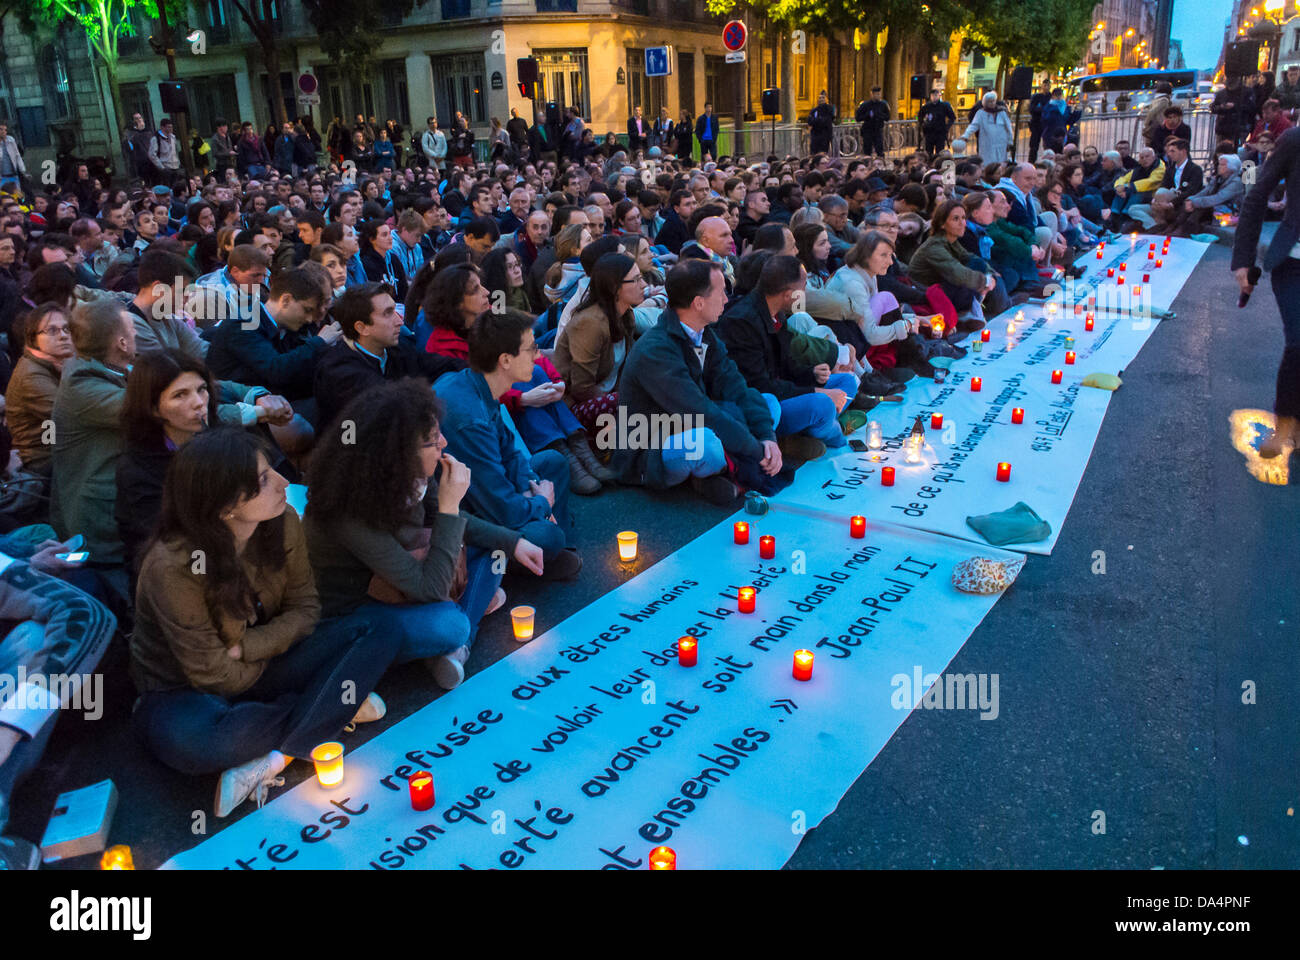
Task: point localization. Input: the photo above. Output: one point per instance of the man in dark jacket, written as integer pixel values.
(638, 131)
(1172, 127)
(679, 371)
(706, 131)
(674, 233)
(803, 400)
(936, 118)
(873, 114)
(1232, 107)
(821, 125)
(1036, 105)
(372, 350)
(270, 349)
(757, 207)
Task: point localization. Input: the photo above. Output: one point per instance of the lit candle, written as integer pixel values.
(328, 758)
(1146, 278)
(1069, 343)
(984, 335)
(1017, 415)
(1051, 308)
(663, 858)
(976, 383)
(936, 327)
(1119, 281)
(522, 618)
(627, 545)
(421, 786)
(1056, 376)
(1123, 267)
(1089, 322)
(1098, 254)
(1004, 472)
(1159, 264)
(687, 649)
(1069, 356)
(745, 599)
(874, 438)
(857, 527)
(117, 858)
(1168, 240)
(1153, 246)
(936, 421)
(1137, 291)
(886, 476)
(803, 664)
(1020, 316)
(767, 547)
(1110, 271)
(741, 532)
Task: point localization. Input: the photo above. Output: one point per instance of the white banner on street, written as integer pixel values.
(955, 475)
(591, 746)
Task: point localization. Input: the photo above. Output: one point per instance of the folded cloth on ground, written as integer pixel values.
(1103, 381)
(984, 575)
(1019, 524)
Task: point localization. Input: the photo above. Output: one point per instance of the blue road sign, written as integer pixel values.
(658, 63)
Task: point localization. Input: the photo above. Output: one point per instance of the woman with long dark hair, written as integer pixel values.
(504, 271)
(456, 296)
(591, 349)
(237, 672)
(170, 398)
(385, 529)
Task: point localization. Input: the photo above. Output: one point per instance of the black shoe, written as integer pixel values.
(800, 447)
(564, 567)
(717, 489)
(877, 384)
(897, 374)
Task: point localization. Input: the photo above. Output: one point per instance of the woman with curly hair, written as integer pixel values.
(382, 532)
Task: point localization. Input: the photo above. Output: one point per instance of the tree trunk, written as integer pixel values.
(895, 86)
(272, 51)
(1001, 78)
(954, 67)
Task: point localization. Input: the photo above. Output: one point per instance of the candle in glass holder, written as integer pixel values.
(663, 858)
(1153, 246)
(857, 527)
(1069, 356)
(328, 758)
(1137, 291)
(1151, 254)
(1017, 415)
(1146, 278)
(745, 599)
(886, 476)
(117, 858)
(976, 383)
(1020, 316)
(740, 532)
(767, 547)
(1159, 264)
(522, 619)
(1123, 266)
(803, 664)
(1099, 254)
(1119, 281)
(1004, 472)
(627, 545)
(1089, 322)
(1051, 308)
(874, 437)
(936, 421)
(984, 335)
(421, 786)
(687, 651)
(1056, 376)
(978, 345)
(1110, 271)
(936, 327)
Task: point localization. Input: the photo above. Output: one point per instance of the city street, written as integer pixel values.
(1121, 692)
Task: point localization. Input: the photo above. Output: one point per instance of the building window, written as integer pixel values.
(555, 6)
(54, 74)
(458, 85)
(713, 69)
(564, 78)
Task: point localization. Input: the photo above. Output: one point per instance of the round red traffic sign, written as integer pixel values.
(307, 83)
(734, 35)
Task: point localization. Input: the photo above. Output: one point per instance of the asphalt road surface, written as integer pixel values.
(1120, 693)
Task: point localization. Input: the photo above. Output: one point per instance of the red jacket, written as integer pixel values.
(447, 343)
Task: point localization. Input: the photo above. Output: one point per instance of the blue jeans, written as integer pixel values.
(810, 413)
(1121, 204)
(542, 426)
(692, 453)
(551, 537)
(292, 707)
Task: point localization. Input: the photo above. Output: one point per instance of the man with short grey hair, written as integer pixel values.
(835, 215)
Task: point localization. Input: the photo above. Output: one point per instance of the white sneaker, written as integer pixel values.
(449, 669)
(373, 709)
(252, 778)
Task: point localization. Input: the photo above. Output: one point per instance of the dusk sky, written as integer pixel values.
(1199, 24)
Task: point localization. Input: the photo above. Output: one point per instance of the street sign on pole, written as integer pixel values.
(307, 84)
(734, 36)
(735, 56)
(658, 61)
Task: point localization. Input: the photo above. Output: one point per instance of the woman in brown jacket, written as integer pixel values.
(591, 348)
(29, 399)
(236, 671)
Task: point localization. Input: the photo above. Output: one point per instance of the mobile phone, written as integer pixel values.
(77, 556)
(859, 445)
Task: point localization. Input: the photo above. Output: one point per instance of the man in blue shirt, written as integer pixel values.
(706, 131)
(528, 496)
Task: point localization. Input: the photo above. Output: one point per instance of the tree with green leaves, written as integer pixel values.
(104, 22)
(1051, 36)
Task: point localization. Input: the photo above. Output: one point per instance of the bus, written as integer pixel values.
(1138, 86)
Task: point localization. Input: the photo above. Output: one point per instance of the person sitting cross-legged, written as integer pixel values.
(679, 373)
(527, 495)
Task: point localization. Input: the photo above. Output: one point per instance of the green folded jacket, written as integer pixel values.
(1017, 525)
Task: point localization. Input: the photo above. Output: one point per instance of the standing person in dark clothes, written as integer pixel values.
(873, 114)
(1283, 164)
(821, 125)
(1036, 105)
(935, 119)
